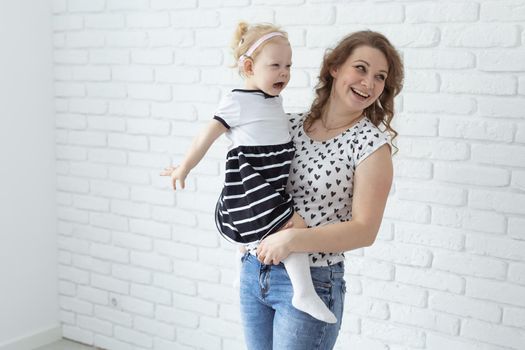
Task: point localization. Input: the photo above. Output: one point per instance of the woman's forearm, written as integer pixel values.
(372, 182)
(333, 238)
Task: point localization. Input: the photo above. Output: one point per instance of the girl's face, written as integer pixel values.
(359, 81)
(270, 71)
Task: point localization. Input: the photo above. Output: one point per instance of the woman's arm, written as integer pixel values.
(372, 182)
(200, 145)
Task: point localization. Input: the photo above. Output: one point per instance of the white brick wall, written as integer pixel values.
(143, 268)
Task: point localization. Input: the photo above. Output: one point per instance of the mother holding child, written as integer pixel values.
(297, 197)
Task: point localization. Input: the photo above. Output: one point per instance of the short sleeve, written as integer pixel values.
(228, 112)
(294, 120)
(370, 139)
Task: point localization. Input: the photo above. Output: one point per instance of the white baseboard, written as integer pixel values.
(33, 341)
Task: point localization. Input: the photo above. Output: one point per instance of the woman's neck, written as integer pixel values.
(334, 114)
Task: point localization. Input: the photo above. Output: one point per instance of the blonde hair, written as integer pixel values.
(381, 112)
(245, 35)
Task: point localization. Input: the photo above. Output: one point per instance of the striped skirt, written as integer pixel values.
(253, 202)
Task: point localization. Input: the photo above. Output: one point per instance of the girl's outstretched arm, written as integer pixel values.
(200, 145)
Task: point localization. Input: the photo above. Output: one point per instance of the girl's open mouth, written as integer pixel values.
(278, 85)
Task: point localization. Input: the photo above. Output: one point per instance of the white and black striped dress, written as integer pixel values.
(253, 202)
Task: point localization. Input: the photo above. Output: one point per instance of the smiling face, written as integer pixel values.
(270, 71)
(360, 80)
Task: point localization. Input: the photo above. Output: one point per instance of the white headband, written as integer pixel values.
(257, 44)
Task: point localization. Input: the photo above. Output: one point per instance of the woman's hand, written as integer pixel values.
(276, 247)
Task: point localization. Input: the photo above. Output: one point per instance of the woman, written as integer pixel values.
(339, 179)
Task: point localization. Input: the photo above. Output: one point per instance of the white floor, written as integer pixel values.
(65, 345)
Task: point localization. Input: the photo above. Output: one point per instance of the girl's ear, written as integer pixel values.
(248, 66)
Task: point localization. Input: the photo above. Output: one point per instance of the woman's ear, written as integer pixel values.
(333, 71)
(247, 66)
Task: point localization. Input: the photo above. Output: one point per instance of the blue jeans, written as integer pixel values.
(269, 319)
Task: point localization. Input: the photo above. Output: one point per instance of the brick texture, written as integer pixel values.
(141, 267)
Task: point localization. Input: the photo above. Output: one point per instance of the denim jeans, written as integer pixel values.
(271, 322)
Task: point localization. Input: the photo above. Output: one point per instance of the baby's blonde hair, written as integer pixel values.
(245, 35)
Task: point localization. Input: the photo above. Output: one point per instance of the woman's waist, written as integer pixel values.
(335, 260)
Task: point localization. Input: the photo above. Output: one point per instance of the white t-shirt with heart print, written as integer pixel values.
(322, 174)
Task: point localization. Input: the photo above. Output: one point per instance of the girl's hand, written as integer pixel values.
(276, 247)
(177, 173)
(296, 221)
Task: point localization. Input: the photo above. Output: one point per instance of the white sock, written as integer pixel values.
(305, 297)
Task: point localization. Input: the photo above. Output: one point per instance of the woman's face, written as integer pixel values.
(360, 80)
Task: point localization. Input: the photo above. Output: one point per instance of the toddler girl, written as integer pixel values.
(253, 202)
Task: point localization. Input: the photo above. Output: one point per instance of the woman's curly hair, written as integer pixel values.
(381, 111)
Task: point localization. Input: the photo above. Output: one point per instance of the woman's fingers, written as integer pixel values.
(264, 258)
(259, 254)
(267, 260)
